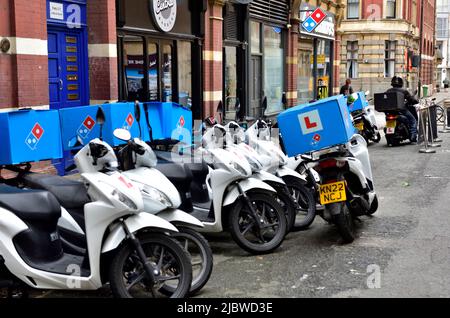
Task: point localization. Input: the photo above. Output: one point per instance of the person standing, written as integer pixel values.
(446, 84)
(347, 89)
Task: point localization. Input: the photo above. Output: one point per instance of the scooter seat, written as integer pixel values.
(69, 193)
(30, 205)
(176, 173)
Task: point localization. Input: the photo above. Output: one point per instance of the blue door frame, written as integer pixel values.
(68, 59)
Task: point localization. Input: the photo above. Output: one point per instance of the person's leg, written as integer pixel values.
(412, 123)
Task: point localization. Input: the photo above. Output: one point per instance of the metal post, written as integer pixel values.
(425, 136)
(431, 130)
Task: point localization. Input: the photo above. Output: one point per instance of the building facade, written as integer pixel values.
(442, 41)
(383, 38)
(209, 55)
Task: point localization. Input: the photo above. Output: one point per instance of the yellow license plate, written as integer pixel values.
(359, 126)
(332, 192)
(391, 124)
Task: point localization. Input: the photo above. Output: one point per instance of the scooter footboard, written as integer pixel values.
(135, 223)
(180, 218)
(246, 185)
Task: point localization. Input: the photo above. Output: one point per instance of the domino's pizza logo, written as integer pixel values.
(34, 136)
(129, 121)
(181, 122)
(86, 127)
(310, 122)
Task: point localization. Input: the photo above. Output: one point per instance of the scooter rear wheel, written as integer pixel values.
(344, 221)
(246, 233)
(128, 278)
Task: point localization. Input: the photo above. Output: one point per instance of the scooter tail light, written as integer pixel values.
(331, 163)
(391, 117)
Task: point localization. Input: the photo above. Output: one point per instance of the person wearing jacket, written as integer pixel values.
(411, 101)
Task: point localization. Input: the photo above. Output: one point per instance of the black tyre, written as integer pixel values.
(306, 204)
(244, 229)
(201, 259)
(290, 210)
(373, 206)
(128, 278)
(344, 221)
(377, 138)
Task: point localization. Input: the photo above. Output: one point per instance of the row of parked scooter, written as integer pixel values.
(134, 221)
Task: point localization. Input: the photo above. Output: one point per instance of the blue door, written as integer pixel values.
(66, 68)
(67, 75)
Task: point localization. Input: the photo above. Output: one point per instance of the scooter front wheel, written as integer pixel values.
(201, 259)
(256, 238)
(128, 278)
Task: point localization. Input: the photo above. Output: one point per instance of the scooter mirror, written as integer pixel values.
(122, 134)
(355, 96)
(100, 117)
(137, 111)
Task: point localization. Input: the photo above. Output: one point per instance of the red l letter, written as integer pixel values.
(309, 124)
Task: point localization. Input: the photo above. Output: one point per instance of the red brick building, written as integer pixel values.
(64, 53)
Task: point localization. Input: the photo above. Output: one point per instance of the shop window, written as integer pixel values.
(390, 9)
(389, 58)
(230, 78)
(305, 82)
(352, 59)
(273, 68)
(353, 9)
(153, 71)
(184, 73)
(255, 37)
(167, 73)
(133, 69)
(323, 68)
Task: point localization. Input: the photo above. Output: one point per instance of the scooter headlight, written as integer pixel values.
(155, 195)
(238, 167)
(124, 199)
(254, 165)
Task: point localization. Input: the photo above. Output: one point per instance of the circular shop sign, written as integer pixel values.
(164, 14)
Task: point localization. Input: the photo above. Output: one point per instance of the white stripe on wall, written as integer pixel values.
(102, 50)
(427, 57)
(27, 46)
(40, 107)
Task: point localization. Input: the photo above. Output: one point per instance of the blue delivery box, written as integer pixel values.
(360, 103)
(315, 126)
(170, 121)
(81, 121)
(29, 136)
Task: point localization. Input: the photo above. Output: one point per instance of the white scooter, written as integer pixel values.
(346, 190)
(138, 161)
(258, 136)
(216, 186)
(259, 164)
(125, 247)
(365, 121)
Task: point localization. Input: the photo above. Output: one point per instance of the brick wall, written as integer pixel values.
(102, 38)
(24, 78)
